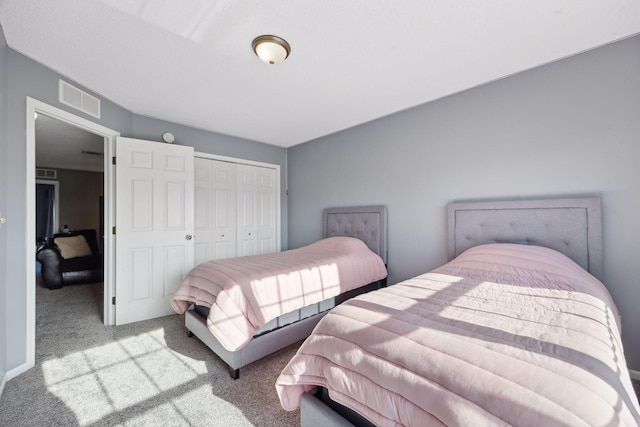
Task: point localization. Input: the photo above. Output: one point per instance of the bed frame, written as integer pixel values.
(570, 226)
(367, 223)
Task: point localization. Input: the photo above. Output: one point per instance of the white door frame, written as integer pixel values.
(109, 135)
(253, 163)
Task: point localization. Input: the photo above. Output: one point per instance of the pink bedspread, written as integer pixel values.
(247, 292)
(503, 335)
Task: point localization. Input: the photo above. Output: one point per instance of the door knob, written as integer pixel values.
(188, 237)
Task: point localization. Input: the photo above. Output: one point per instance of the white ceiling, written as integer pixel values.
(352, 61)
(63, 146)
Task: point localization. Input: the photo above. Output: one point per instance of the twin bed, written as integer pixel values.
(516, 329)
(248, 307)
(508, 332)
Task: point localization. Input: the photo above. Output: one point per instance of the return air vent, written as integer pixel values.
(81, 100)
(46, 173)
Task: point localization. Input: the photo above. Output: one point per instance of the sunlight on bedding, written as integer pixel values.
(120, 375)
(296, 289)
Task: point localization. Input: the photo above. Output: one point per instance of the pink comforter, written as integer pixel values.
(247, 292)
(502, 335)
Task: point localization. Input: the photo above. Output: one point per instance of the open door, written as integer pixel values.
(154, 226)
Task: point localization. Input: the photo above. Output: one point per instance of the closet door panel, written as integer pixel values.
(266, 210)
(203, 216)
(247, 231)
(215, 209)
(225, 222)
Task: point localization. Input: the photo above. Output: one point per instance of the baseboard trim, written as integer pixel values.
(635, 375)
(18, 370)
(3, 382)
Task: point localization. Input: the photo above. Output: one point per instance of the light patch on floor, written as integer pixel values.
(138, 374)
(119, 375)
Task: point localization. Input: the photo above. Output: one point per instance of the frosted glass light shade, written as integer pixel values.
(271, 49)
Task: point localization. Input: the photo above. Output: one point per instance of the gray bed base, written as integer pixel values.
(570, 226)
(367, 223)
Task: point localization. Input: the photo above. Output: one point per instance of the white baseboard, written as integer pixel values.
(3, 381)
(18, 370)
(635, 375)
(13, 373)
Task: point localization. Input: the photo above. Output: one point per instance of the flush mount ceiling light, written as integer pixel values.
(271, 49)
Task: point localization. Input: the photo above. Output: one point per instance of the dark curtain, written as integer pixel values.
(45, 210)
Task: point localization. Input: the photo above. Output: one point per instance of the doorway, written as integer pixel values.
(36, 108)
(69, 203)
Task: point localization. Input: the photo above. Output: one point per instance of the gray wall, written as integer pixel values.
(28, 78)
(3, 205)
(80, 193)
(568, 128)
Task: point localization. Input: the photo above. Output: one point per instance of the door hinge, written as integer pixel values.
(113, 160)
(113, 301)
(113, 230)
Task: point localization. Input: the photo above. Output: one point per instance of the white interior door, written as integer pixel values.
(154, 226)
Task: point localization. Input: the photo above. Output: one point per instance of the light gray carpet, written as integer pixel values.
(146, 373)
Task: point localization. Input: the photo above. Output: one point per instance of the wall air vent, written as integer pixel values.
(46, 173)
(78, 99)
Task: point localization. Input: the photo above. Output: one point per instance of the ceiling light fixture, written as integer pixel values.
(271, 49)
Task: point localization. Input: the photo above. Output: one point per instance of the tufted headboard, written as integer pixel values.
(367, 223)
(570, 226)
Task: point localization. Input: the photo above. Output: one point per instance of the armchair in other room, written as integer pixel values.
(70, 258)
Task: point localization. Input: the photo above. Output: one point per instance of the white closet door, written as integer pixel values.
(236, 209)
(247, 215)
(203, 211)
(224, 209)
(266, 210)
(215, 209)
(154, 226)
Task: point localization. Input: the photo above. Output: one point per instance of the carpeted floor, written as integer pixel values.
(146, 373)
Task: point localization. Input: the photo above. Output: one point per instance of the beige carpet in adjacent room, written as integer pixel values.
(143, 374)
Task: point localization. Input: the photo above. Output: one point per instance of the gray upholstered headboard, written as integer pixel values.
(570, 226)
(367, 223)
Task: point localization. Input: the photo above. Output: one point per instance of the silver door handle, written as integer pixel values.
(188, 237)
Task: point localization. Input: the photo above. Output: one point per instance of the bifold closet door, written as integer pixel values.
(215, 210)
(266, 209)
(256, 210)
(247, 213)
(235, 210)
